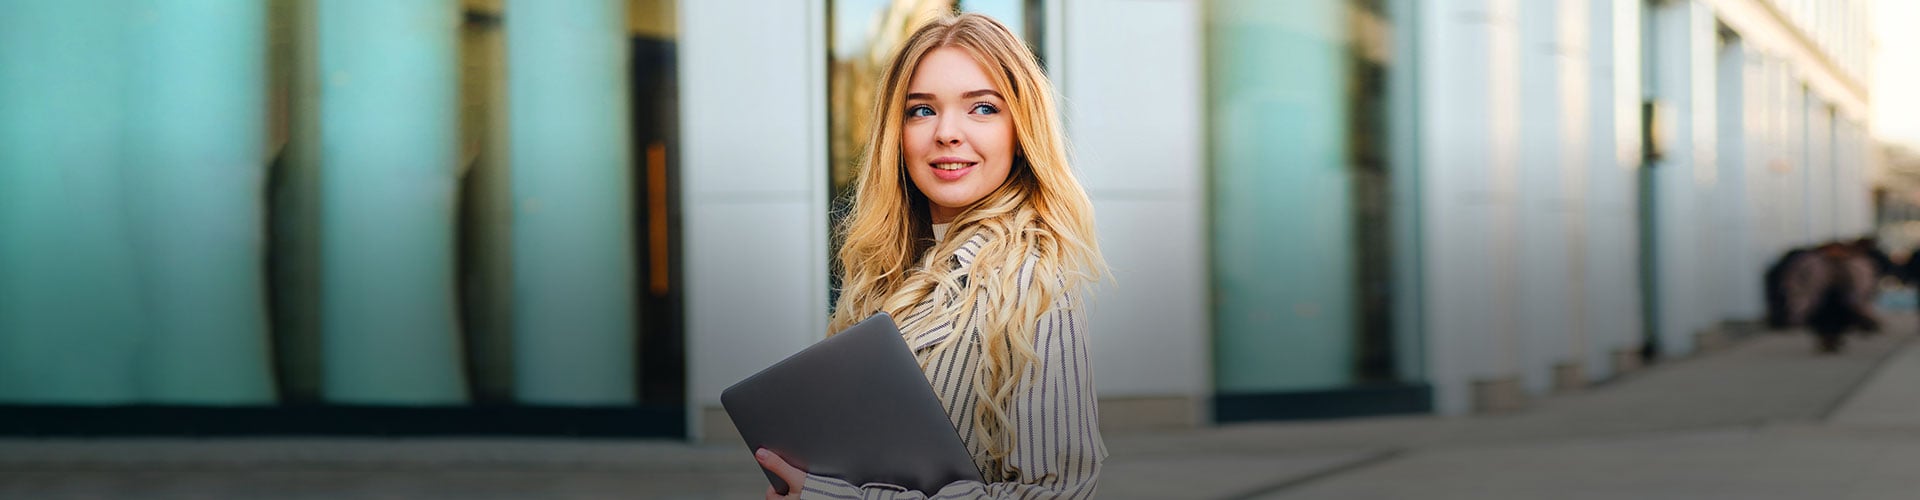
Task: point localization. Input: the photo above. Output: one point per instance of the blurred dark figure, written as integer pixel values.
(1829, 289)
(1882, 263)
(1909, 271)
(1776, 288)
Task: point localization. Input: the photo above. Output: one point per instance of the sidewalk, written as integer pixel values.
(1864, 446)
(1765, 418)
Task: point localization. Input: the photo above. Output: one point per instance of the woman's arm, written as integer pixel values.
(1056, 450)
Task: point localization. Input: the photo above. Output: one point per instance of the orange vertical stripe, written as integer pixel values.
(657, 217)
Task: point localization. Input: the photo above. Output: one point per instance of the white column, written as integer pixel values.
(1761, 165)
(1146, 179)
(1791, 112)
(1682, 77)
(754, 216)
(1760, 168)
(1553, 171)
(1469, 115)
(1735, 216)
(1818, 157)
(1612, 291)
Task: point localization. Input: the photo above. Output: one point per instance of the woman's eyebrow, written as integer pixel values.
(922, 96)
(981, 92)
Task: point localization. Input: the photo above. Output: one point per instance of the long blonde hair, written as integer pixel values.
(1039, 215)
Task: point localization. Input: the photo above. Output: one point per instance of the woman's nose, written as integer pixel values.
(947, 133)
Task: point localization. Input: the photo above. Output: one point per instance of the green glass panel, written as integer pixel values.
(387, 184)
(573, 268)
(1284, 256)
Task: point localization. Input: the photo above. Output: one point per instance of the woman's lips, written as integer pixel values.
(946, 172)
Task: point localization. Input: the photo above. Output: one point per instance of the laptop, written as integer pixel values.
(854, 406)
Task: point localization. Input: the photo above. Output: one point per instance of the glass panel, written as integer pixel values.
(1301, 107)
(430, 266)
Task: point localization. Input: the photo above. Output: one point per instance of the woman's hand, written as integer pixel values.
(794, 477)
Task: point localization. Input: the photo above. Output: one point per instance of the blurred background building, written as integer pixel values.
(591, 216)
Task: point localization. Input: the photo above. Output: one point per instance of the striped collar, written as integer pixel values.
(964, 256)
(942, 327)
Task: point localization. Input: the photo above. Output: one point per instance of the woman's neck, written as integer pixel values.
(939, 232)
(940, 214)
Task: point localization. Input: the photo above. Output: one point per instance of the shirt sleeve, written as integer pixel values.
(1056, 450)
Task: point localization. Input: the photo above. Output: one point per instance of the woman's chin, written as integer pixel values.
(950, 205)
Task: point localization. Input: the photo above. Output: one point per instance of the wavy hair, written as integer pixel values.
(1040, 217)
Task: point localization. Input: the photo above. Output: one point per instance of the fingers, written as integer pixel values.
(776, 464)
(772, 495)
(793, 476)
(772, 462)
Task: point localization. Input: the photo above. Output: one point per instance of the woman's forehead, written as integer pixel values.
(949, 72)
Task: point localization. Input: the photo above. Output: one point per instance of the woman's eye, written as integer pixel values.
(919, 111)
(985, 109)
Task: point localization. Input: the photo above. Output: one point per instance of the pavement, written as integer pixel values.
(1765, 418)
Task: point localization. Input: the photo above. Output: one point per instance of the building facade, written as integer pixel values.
(1343, 207)
(600, 213)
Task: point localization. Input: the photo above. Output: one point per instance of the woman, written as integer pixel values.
(970, 229)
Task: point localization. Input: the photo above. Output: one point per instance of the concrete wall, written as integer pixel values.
(754, 182)
(1136, 133)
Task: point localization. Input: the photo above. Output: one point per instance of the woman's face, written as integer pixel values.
(956, 136)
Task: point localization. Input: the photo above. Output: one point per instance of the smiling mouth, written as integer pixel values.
(952, 166)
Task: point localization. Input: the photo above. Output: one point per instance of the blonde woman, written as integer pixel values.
(969, 228)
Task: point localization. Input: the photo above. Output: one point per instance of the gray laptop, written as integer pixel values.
(854, 406)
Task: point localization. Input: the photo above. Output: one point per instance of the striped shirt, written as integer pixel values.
(1056, 448)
